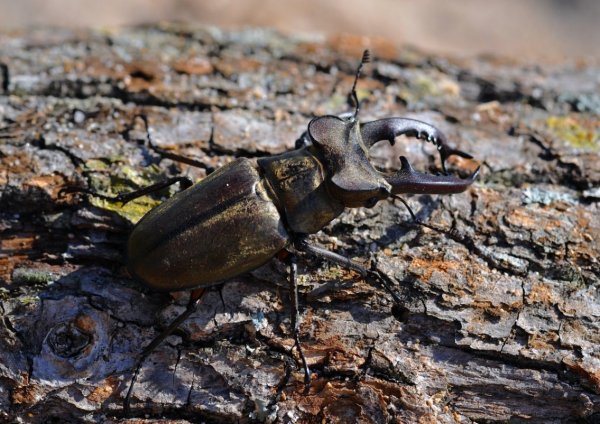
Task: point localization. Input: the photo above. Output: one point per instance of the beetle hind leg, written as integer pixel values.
(195, 298)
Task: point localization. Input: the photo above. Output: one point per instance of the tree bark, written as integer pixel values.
(504, 302)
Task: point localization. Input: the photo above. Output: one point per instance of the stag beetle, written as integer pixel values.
(247, 212)
(274, 201)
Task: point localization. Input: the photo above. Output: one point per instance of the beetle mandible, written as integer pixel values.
(247, 212)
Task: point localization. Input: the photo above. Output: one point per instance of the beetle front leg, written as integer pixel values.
(390, 128)
(370, 275)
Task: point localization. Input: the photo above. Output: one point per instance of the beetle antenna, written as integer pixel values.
(417, 221)
(366, 58)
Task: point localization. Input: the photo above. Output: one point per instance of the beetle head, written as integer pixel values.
(354, 180)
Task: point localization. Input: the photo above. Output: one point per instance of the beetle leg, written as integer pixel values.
(293, 262)
(184, 183)
(370, 275)
(5, 77)
(195, 297)
(390, 128)
(173, 156)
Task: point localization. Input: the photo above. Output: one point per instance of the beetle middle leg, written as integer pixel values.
(295, 318)
(302, 245)
(184, 183)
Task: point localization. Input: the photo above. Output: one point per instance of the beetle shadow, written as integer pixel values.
(91, 325)
(78, 321)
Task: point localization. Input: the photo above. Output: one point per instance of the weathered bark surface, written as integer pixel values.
(505, 311)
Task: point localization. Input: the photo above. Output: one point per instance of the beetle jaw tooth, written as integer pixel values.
(405, 165)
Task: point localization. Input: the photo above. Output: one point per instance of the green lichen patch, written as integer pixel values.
(124, 180)
(579, 132)
(33, 277)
